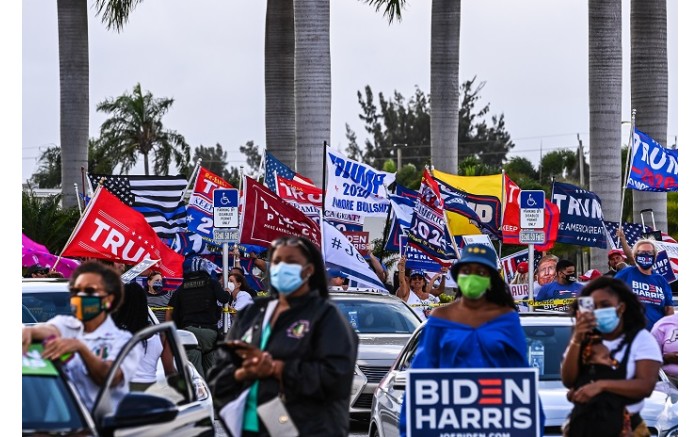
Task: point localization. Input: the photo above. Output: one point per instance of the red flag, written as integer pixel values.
(511, 218)
(266, 216)
(111, 230)
(301, 193)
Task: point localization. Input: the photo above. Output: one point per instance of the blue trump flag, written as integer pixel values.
(580, 216)
(654, 167)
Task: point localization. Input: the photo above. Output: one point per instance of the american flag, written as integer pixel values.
(274, 167)
(633, 232)
(510, 263)
(158, 198)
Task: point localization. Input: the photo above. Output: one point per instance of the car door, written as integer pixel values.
(169, 407)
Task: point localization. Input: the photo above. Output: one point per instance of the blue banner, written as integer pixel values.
(496, 402)
(654, 167)
(580, 216)
(463, 203)
(662, 266)
(417, 260)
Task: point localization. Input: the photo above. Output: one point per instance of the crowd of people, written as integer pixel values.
(292, 345)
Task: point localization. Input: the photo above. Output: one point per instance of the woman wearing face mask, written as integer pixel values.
(294, 343)
(155, 296)
(619, 319)
(88, 342)
(480, 330)
(651, 289)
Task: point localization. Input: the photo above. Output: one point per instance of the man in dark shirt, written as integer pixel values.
(195, 309)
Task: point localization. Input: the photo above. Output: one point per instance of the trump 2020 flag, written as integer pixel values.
(401, 215)
(158, 198)
(654, 167)
(201, 209)
(339, 253)
(580, 216)
(111, 230)
(266, 217)
(354, 187)
(274, 167)
(428, 231)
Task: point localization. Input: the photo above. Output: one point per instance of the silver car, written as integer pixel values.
(384, 323)
(660, 410)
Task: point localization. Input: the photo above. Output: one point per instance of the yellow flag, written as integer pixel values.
(484, 191)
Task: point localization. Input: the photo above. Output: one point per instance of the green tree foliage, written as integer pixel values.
(44, 221)
(135, 129)
(49, 173)
(214, 159)
(251, 151)
(396, 121)
(560, 165)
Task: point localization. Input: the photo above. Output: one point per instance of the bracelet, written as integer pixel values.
(575, 343)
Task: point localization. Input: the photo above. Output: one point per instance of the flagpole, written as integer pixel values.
(77, 195)
(503, 210)
(82, 173)
(194, 174)
(444, 217)
(77, 226)
(630, 148)
(260, 167)
(323, 196)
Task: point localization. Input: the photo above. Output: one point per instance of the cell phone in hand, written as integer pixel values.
(234, 345)
(586, 304)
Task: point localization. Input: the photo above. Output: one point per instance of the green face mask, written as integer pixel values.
(473, 286)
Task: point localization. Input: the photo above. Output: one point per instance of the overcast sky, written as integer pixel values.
(209, 58)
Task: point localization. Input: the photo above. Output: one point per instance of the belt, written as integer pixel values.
(212, 327)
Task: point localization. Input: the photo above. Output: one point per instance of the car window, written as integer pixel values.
(46, 305)
(27, 316)
(368, 316)
(47, 402)
(553, 339)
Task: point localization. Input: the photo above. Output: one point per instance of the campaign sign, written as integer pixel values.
(417, 260)
(662, 266)
(489, 402)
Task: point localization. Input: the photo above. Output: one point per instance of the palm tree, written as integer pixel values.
(74, 70)
(135, 129)
(605, 108)
(280, 118)
(444, 83)
(312, 85)
(649, 89)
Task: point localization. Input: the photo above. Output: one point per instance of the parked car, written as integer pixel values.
(45, 298)
(660, 410)
(179, 405)
(383, 323)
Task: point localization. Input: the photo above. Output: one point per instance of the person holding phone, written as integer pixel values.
(294, 344)
(618, 318)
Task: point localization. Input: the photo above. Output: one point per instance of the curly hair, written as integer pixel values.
(633, 319)
(111, 281)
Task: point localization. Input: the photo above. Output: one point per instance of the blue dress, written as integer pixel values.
(450, 345)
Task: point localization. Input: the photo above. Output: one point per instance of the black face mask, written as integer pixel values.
(570, 278)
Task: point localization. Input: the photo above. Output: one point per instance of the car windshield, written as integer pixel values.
(370, 316)
(47, 402)
(553, 339)
(45, 305)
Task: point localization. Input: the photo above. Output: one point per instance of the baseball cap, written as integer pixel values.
(590, 275)
(617, 252)
(336, 273)
(522, 267)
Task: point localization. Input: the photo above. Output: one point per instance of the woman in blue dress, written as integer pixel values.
(480, 330)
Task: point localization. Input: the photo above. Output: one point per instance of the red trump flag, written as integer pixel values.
(111, 230)
(266, 216)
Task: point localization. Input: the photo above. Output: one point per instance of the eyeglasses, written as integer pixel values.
(645, 252)
(85, 290)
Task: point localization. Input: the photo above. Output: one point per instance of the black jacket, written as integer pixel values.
(319, 350)
(195, 301)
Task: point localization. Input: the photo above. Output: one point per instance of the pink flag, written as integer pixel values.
(34, 253)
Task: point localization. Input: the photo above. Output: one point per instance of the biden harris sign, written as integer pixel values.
(477, 402)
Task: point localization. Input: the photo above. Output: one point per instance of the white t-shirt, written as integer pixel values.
(243, 299)
(644, 347)
(148, 366)
(106, 342)
(413, 299)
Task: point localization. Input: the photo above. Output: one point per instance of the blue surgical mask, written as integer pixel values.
(645, 261)
(286, 278)
(606, 319)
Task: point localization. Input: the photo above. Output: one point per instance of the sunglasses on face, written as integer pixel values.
(84, 290)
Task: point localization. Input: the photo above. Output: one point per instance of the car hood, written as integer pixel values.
(381, 346)
(660, 409)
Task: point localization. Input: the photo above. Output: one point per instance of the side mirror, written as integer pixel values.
(139, 409)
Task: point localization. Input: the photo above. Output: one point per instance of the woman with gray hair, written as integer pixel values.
(651, 289)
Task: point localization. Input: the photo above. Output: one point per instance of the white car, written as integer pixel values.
(660, 410)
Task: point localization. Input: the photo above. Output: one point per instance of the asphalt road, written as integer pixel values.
(357, 429)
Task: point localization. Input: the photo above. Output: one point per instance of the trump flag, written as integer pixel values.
(580, 216)
(654, 167)
(111, 230)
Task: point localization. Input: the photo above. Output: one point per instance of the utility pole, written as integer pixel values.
(580, 161)
(398, 154)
